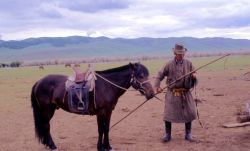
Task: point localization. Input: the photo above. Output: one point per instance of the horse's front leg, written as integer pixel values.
(103, 121)
(100, 123)
(106, 133)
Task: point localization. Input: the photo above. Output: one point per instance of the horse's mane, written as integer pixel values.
(117, 69)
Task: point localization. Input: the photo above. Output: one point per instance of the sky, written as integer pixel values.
(21, 19)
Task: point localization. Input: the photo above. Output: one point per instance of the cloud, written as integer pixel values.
(219, 14)
(48, 10)
(125, 18)
(94, 6)
(202, 13)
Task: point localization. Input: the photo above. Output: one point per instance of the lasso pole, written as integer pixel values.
(167, 87)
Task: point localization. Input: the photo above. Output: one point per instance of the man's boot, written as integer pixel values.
(167, 136)
(188, 135)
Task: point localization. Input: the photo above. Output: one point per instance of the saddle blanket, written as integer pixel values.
(78, 97)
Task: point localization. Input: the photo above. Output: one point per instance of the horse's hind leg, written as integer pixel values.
(42, 115)
(47, 115)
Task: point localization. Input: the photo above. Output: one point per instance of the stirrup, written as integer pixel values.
(80, 106)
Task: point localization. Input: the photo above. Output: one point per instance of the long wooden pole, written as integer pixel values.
(167, 87)
(195, 71)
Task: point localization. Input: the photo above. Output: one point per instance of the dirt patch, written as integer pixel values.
(139, 132)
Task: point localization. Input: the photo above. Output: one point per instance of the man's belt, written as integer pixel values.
(179, 91)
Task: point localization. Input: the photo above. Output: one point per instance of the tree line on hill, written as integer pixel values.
(12, 64)
(109, 59)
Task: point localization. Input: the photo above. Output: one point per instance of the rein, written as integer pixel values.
(133, 78)
(105, 79)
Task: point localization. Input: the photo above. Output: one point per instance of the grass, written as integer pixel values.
(231, 62)
(16, 83)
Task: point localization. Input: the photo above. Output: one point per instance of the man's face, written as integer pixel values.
(179, 56)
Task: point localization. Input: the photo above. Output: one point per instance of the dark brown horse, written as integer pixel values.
(49, 94)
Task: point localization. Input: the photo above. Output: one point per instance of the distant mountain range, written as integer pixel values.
(77, 47)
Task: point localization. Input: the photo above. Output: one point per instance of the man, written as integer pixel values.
(179, 103)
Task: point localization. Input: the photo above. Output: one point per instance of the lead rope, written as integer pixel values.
(94, 98)
(196, 100)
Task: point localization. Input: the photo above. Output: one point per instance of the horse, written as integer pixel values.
(67, 65)
(49, 94)
(77, 65)
(41, 67)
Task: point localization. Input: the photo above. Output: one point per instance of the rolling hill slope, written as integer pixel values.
(73, 47)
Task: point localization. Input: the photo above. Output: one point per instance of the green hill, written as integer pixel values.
(46, 48)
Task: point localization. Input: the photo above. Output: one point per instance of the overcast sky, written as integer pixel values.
(20, 19)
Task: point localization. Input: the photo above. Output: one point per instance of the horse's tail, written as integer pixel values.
(37, 114)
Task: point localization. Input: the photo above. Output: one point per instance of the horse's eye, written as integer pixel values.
(141, 76)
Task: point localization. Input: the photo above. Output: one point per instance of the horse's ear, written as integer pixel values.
(137, 63)
(132, 65)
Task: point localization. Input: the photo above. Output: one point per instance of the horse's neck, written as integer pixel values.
(113, 88)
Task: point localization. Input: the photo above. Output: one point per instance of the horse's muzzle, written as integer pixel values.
(146, 89)
(149, 92)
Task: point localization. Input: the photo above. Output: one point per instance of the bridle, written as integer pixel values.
(138, 85)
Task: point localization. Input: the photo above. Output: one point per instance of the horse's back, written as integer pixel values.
(52, 79)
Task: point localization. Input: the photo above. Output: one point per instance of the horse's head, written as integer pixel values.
(140, 80)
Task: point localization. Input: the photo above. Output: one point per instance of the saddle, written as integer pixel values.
(78, 75)
(78, 87)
